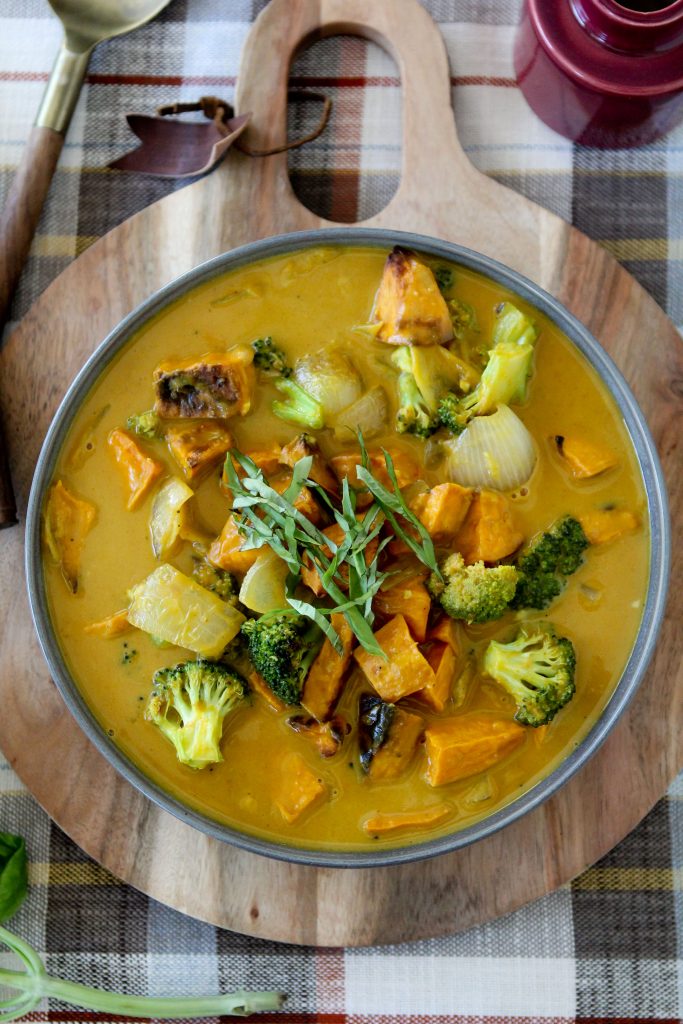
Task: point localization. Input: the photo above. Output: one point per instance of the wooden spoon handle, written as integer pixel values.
(18, 224)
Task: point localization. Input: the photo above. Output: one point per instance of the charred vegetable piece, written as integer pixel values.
(584, 459)
(67, 520)
(327, 675)
(403, 670)
(172, 607)
(139, 469)
(327, 737)
(189, 704)
(387, 737)
(298, 789)
(409, 306)
(468, 744)
(198, 447)
(215, 386)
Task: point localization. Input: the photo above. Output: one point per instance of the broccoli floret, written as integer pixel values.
(145, 424)
(282, 647)
(505, 375)
(473, 593)
(414, 415)
(536, 669)
(300, 407)
(189, 703)
(546, 563)
(444, 278)
(269, 358)
(218, 581)
(463, 318)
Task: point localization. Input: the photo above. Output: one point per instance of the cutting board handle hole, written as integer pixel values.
(357, 74)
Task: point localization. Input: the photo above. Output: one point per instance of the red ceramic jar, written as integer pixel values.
(602, 72)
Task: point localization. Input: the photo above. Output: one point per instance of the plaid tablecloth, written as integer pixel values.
(605, 948)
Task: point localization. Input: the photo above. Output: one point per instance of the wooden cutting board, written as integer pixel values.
(440, 194)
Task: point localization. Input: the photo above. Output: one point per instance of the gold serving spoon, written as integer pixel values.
(86, 23)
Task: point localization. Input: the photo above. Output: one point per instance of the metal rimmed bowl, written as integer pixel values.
(653, 484)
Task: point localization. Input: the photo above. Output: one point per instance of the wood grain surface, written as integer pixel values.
(440, 194)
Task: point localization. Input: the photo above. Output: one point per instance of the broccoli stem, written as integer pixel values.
(36, 984)
(300, 407)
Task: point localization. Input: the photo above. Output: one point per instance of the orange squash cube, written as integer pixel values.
(584, 458)
(139, 469)
(111, 627)
(198, 446)
(444, 662)
(226, 551)
(67, 520)
(442, 510)
(405, 669)
(409, 598)
(489, 532)
(605, 525)
(384, 823)
(469, 744)
(327, 674)
(299, 789)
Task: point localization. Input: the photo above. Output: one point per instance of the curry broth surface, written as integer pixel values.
(304, 301)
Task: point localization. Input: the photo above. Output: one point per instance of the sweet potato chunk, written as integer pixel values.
(466, 745)
(258, 684)
(384, 823)
(605, 525)
(139, 469)
(215, 386)
(444, 661)
(446, 631)
(198, 447)
(327, 674)
(406, 468)
(489, 531)
(304, 502)
(409, 598)
(267, 459)
(409, 306)
(584, 458)
(111, 627)
(67, 520)
(387, 737)
(442, 510)
(226, 551)
(301, 446)
(309, 573)
(299, 789)
(405, 669)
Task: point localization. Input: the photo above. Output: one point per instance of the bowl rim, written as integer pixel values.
(658, 517)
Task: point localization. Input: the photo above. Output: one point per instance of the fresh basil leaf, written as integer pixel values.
(13, 874)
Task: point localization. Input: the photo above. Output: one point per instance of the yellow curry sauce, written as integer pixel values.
(306, 301)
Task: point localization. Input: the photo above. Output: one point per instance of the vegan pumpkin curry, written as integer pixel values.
(345, 549)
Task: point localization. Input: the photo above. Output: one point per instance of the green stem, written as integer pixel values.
(37, 985)
(44, 986)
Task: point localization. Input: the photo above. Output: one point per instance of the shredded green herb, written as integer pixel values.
(265, 517)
